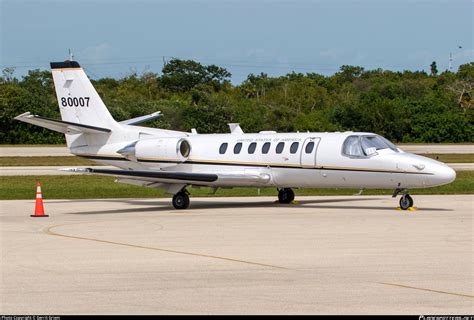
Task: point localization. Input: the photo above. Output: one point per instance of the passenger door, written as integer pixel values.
(309, 152)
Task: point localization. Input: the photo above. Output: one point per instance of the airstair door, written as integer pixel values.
(309, 152)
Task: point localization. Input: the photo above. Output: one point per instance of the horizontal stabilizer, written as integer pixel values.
(59, 125)
(141, 119)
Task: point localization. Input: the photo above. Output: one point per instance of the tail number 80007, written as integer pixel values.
(75, 102)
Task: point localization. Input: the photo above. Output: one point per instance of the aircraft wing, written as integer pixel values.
(59, 125)
(178, 177)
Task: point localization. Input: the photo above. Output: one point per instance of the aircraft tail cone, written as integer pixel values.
(39, 208)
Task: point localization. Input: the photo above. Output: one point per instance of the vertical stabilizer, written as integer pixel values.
(78, 101)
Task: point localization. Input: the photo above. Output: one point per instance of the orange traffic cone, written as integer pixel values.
(39, 209)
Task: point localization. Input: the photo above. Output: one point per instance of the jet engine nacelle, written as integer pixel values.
(158, 149)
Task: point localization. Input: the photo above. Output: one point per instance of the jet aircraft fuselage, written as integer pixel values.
(173, 160)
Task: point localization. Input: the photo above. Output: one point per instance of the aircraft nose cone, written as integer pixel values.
(444, 174)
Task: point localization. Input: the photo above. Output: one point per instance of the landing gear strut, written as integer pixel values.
(286, 195)
(181, 200)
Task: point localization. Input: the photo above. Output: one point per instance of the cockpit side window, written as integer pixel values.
(362, 146)
(389, 144)
(371, 144)
(351, 147)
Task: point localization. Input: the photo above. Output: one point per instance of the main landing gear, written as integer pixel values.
(286, 195)
(406, 201)
(181, 200)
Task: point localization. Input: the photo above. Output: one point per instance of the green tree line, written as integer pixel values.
(408, 106)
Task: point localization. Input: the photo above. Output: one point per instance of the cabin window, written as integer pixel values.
(237, 147)
(294, 147)
(223, 148)
(252, 147)
(266, 147)
(279, 147)
(309, 147)
(351, 147)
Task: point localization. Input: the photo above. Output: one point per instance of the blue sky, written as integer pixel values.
(114, 38)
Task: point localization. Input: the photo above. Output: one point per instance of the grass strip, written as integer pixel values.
(6, 145)
(45, 161)
(88, 186)
(451, 157)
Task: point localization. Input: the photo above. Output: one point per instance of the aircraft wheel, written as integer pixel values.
(406, 202)
(181, 200)
(286, 195)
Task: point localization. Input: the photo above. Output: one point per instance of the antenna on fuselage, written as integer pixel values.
(71, 55)
(235, 128)
(450, 66)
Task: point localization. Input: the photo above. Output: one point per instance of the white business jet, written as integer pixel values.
(174, 160)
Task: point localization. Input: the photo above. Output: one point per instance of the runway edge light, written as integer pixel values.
(39, 208)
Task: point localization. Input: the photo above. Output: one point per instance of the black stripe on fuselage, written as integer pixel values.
(187, 176)
(102, 157)
(282, 166)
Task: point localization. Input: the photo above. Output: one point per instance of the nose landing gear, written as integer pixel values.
(406, 201)
(286, 195)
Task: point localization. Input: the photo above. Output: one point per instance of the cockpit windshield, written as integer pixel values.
(361, 146)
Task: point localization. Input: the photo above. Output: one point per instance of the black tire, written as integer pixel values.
(291, 194)
(406, 202)
(286, 195)
(181, 201)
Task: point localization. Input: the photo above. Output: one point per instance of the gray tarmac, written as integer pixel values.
(34, 152)
(342, 255)
(64, 151)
